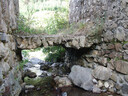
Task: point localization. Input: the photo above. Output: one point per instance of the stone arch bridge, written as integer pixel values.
(67, 41)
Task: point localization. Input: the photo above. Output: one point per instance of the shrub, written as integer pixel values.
(28, 23)
(56, 24)
(54, 53)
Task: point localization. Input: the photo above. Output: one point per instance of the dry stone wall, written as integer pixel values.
(113, 14)
(10, 76)
(109, 58)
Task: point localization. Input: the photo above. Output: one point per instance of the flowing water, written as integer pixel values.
(67, 91)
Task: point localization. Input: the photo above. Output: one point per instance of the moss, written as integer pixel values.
(108, 59)
(45, 81)
(50, 70)
(125, 42)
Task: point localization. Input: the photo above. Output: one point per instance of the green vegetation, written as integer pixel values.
(125, 42)
(25, 53)
(46, 81)
(21, 65)
(51, 17)
(54, 54)
(99, 27)
(43, 16)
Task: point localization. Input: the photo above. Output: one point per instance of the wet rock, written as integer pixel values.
(47, 66)
(96, 89)
(81, 77)
(44, 74)
(35, 61)
(30, 74)
(44, 67)
(121, 66)
(124, 89)
(62, 81)
(28, 65)
(102, 73)
(29, 86)
(56, 65)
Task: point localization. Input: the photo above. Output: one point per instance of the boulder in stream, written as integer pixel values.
(62, 81)
(36, 61)
(81, 77)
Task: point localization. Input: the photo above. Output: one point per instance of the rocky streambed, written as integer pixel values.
(56, 79)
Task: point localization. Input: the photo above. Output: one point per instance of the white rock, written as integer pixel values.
(106, 84)
(29, 86)
(94, 81)
(100, 84)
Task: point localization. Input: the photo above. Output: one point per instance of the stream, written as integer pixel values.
(39, 79)
(68, 91)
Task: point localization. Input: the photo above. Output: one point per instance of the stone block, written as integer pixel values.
(121, 66)
(3, 37)
(118, 46)
(5, 67)
(120, 34)
(125, 46)
(125, 56)
(124, 89)
(102, 73)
